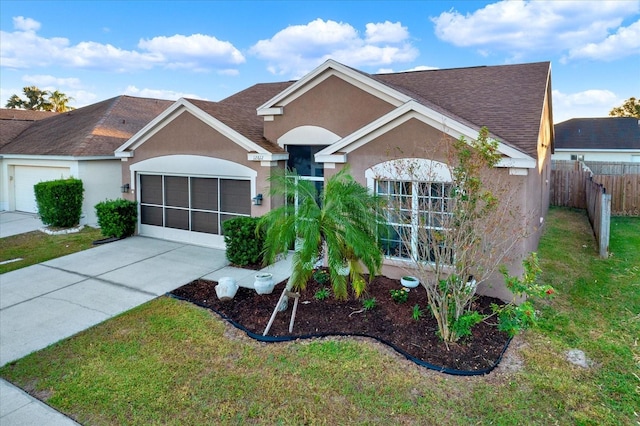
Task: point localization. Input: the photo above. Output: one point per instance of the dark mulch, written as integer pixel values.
(389, 321)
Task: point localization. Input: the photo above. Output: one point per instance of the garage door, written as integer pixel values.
(25, 177)
(191, 209)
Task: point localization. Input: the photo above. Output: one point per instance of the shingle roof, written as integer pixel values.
(94, 130)
(239, 111)
(598, 133)
(14, 121)
(507, 99)
(24, 114)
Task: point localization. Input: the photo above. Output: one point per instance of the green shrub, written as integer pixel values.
(59, 202)
(117, 218)
(244, 245)
(321, 276)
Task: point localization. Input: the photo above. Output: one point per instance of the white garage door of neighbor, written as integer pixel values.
(25, 177)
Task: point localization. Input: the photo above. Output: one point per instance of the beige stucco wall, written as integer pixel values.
(100, 182)
(334, 105)
(188, 135)
(415, 139)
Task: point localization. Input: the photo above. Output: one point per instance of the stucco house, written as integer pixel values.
(199, 163)
(598, 139)
(40, 146)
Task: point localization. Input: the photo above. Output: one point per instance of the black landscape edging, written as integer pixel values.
(107, 240)
(275, 339)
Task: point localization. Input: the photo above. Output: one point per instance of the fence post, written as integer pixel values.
(605, 224)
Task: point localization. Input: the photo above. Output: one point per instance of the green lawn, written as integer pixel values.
(35, 247)
(168, 362)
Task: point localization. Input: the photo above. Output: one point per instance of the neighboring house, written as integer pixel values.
(598, 139)
(78, 143)
(14, 121)
(200, 163)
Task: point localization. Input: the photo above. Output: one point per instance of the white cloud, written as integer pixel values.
(625, 42)
(519, 27)
(158, 93)
(23, 48)
(297, 49)
(187, 51)
(81, 98)
(21, 23)
(51, 82)
(589, 103)
(386, 32)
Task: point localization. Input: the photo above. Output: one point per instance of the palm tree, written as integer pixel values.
(342, 223)
(59, 101)
(14, 102)
(36, 99)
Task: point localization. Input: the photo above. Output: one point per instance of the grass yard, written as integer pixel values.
(168, 362)
(35, 247)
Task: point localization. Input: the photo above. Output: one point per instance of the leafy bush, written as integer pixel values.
(416, 312)
(465, 322)
(322, 294)
(244, 244)
(117, 218)
(514, 317)
(59, 202)
(369, 304)
(400, 295)
(321, 276)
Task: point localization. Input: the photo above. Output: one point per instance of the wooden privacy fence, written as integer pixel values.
(624, 191)
(568, 186)
(613, 168)
(622, 181)
(599, 213)
(577, 188)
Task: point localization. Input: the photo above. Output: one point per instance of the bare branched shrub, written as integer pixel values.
(456, 221)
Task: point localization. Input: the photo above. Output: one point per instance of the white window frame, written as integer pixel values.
(415, 171)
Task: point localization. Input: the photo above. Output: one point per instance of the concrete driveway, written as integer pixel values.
(44, 303)
(14, 223)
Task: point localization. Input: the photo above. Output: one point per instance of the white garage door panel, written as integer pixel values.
(25, 177)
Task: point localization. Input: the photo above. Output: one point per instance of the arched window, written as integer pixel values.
(418, 194)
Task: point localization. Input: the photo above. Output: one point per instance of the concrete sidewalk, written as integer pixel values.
(44, 303)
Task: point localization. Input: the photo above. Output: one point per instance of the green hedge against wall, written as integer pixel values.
(117, 218)
(60, 202)
(244, 247)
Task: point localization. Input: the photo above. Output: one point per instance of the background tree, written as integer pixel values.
(14, 102)
(630, 108)
(59, 101)
(40, 100)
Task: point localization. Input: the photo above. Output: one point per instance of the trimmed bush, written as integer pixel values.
(244, 247)
(117, 218)
(60, 202)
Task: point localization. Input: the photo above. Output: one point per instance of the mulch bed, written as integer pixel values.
(389, 322)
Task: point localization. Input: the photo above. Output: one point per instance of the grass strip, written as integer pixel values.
(36, 246)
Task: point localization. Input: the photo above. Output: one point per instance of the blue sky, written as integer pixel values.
(95, 50)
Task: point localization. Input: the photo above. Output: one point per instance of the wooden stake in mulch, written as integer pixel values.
(285, 293)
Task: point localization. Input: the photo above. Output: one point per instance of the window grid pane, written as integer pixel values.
(415, 212)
